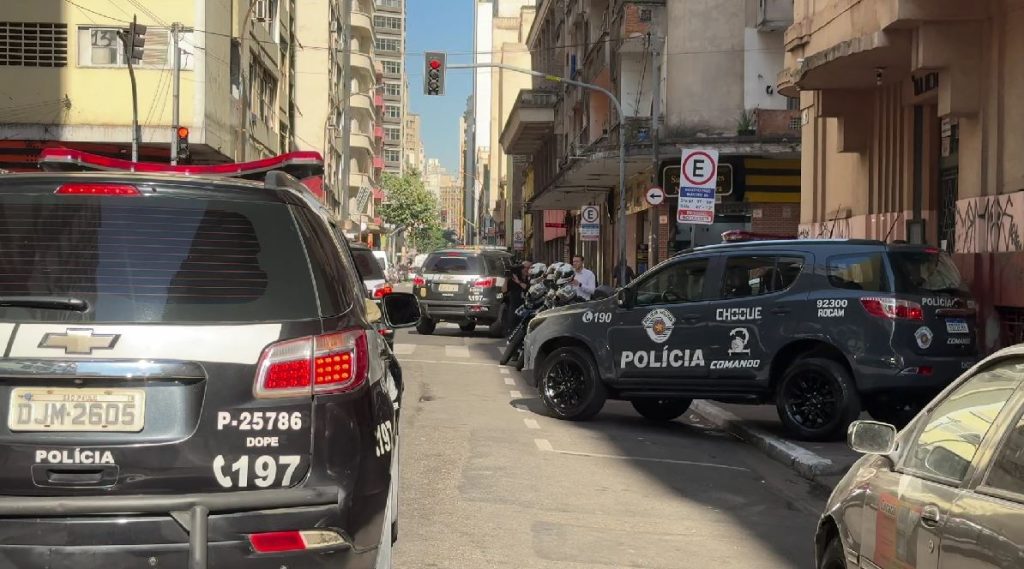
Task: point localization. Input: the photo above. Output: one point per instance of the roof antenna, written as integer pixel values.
(835, 220)
(891, 227)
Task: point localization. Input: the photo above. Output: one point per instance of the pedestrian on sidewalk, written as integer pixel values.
(617, 278)
(585, 281)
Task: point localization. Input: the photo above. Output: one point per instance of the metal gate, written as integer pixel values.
(948, 195)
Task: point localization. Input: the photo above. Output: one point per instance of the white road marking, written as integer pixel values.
(456, 351)
(543, 444)
(504, 371)
(405, 349)
(440, 362)
(521, 408)
(531, 424)
(509, 381)
(515, 394)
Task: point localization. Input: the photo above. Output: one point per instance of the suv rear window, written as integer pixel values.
(367, 264)
(926, 272)
(861, 271)
(453, 264)
(168, 259)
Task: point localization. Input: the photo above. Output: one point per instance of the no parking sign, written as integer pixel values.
(697, 180)
(590, 223)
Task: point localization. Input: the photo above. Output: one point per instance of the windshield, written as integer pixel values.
(172, 259)
(367, 264)
(452, 264)
(926, 272)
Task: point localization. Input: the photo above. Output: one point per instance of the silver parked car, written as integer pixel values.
(946, 492)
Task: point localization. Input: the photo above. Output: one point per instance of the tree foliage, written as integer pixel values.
(409, 203)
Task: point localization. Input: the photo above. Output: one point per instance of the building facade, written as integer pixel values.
(319, 94)
(236, 92)
(709, 68)
(413, 145)
(389, 24)
(908, 132)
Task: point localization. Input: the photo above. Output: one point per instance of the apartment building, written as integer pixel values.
(413, 146)
(909, 132)
(320, 97)
(73, 88)
(712, 68)
(502, 27)
(389, 25)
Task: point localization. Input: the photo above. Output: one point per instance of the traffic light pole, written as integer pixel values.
(621, 217)
(175, 118)
(128, 46)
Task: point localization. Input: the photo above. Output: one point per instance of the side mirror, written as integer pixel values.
(871, 437)
(625, 297)
(401, 309)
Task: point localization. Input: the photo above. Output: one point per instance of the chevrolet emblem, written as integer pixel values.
(79, 341)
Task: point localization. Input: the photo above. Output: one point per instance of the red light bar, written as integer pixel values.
(97, 190)
(51, 159)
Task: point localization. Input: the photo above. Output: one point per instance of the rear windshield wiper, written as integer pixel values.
(54, 302)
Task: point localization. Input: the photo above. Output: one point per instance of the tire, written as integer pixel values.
(467, 326)
(497, 328)
(833, 556)
(897, 412)
(426, 326)
(515, 343)
(520, 361)
(661, 410)
(817, 399)
(570, 386)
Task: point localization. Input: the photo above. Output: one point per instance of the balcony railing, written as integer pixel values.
(535, 98)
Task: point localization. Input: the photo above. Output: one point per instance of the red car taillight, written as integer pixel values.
(485, 282)
(382, 291)
(892, 308)
(419, 281)
(279, 541)
(97, 190)
(330, 363)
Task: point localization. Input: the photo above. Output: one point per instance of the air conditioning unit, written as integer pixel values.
(261, 10)
(774, 15)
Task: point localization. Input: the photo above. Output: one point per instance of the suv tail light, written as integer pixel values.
(279, 541)
(382, 290)
(892, 308)
(331, 363)
(486, 282)
(97, 190)
(419, 281)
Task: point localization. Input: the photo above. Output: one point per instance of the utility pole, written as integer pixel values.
(175, 108)
(652, 214)
(346, 105)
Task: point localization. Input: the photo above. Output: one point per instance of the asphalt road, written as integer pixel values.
(489, 480)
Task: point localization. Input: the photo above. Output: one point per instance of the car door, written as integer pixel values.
(985, 529)
(907, 508)
(751, 316)
(657, 336)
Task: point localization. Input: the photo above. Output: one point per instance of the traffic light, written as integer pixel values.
(433, 76)
(182, 145)
(136, 40)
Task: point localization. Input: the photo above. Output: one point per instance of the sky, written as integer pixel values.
(440, 25)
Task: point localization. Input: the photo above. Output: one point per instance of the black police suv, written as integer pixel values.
(463, 286)
(822, 328)
(190, 378)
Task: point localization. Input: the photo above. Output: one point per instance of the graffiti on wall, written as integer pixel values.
(835, 229)
(990, 224)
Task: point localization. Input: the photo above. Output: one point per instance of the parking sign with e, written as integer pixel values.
(697, 181)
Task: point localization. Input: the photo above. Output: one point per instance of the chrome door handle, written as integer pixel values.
(930, 516)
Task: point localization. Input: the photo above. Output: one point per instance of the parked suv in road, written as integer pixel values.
(191, 377)
(822, 328)
(463, 286)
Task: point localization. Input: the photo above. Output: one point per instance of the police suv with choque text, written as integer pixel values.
(822, 328)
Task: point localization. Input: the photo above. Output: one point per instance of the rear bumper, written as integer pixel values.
(903, 379)
(197, 531)
(485, 312)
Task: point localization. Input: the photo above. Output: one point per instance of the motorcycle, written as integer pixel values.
(551, 293)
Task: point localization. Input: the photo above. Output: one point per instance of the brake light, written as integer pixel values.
(485, 282)
(892, 308)
(419, 281)
(382, 291)
(331, 363)
(97, 190)
(279, 541)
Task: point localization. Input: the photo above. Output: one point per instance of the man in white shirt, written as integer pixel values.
(585, 281)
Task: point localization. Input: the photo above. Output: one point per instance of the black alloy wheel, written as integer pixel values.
(570, 386)
(426, 326)
(817, 400)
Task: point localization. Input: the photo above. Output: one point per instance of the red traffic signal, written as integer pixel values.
(433, 79)
(182, 132)
(435, 64)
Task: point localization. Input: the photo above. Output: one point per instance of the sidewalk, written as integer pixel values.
(822, 463)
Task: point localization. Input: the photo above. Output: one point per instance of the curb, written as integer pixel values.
(804, 462)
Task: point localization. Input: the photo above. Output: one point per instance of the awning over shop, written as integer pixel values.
(771, 181)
